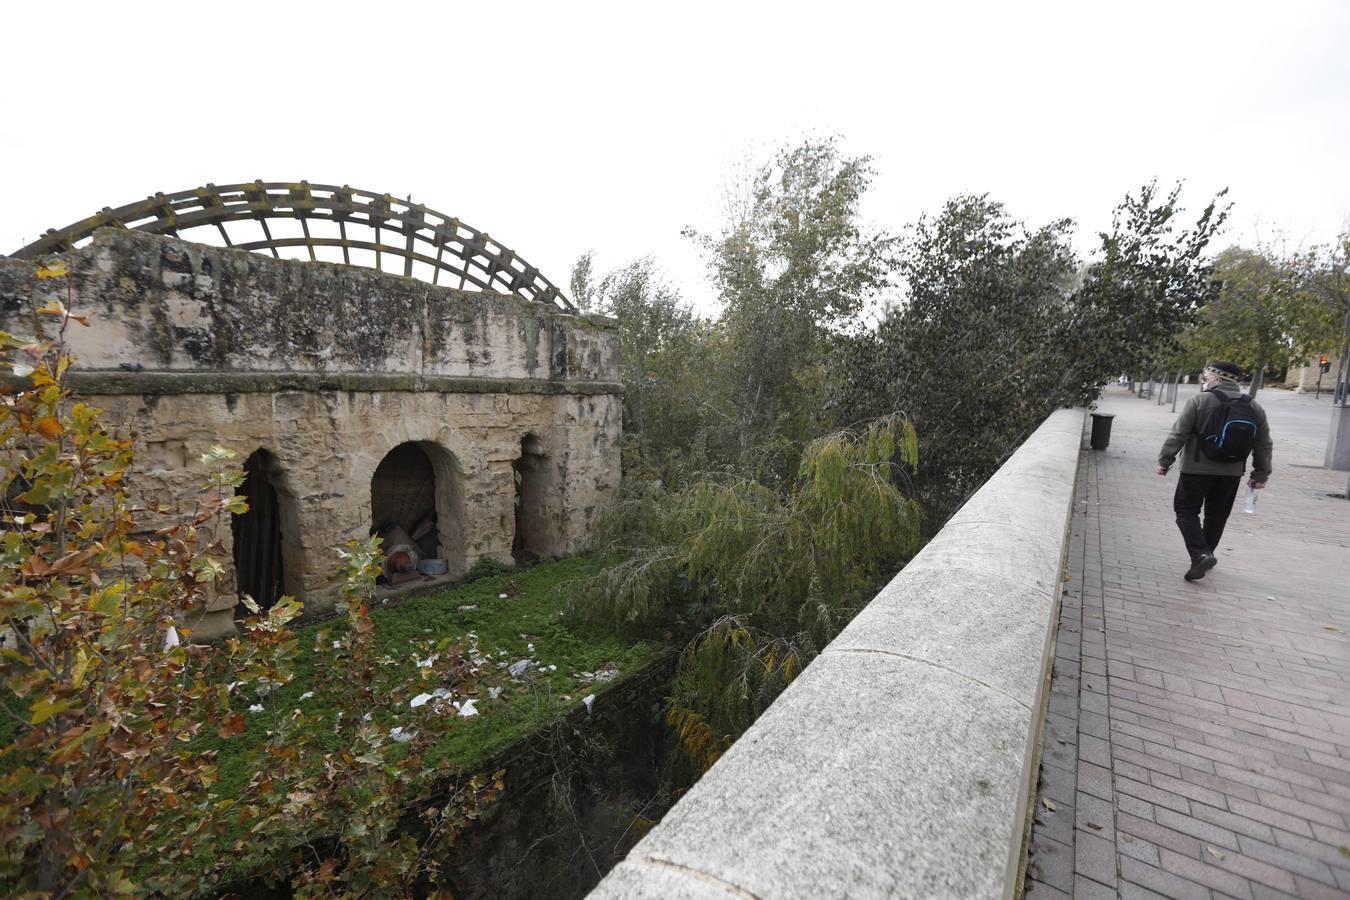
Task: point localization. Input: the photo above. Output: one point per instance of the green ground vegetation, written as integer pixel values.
(524, 624)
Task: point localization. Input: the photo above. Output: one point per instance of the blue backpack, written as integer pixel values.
(1231, 432)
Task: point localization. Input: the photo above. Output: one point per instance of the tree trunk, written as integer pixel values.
(1257, 376)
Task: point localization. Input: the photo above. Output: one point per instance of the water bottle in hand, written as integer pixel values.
(1251, 500)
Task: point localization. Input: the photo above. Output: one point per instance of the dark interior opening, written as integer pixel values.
(257, 534)
(531, 537)
(403, 509)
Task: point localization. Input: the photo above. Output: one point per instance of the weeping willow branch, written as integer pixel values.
(776, 573)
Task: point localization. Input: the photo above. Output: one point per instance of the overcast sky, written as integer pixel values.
(563, 127)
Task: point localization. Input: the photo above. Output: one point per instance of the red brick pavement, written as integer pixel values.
(1197, 742)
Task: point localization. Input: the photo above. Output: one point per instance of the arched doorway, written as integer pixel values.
(259, 567)
(416, 507)
(533, 538)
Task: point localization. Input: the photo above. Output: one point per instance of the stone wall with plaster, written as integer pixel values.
(328, 368)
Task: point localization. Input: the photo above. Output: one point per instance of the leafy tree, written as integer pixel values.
(998, 327)
(1325, 275)
(664, 363)
(105, 788)
(1263, 316)
(1148, 287)
(970, 356)
(792, 263)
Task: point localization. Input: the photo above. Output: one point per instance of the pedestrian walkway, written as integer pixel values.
(1198, 736)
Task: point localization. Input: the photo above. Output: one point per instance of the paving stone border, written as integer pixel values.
(899, 763)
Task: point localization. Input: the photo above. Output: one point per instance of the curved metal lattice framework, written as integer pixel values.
(457, 254)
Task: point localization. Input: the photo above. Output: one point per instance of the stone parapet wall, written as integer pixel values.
(899, 764)
(328, 369)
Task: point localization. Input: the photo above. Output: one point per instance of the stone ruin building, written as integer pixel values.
(458, 405)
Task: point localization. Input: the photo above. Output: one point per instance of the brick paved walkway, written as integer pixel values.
(1198, 736)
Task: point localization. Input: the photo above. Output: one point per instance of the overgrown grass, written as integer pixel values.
(505, 627)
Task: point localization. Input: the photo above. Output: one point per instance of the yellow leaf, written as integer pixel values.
(81, 666)
(45, 709)
(49, 428)
(53, 307)
(55, 270)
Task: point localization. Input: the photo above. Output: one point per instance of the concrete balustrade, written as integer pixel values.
(900, 762)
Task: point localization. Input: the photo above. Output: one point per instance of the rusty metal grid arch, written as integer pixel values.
(458, 254)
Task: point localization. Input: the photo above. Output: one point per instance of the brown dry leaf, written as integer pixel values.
(49, 428)
(1217, 854)
(1094, 826)
(1331, 628)
(233, 724)
(1046, 802)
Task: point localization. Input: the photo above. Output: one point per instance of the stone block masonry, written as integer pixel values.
(900, 762)
(328, 369)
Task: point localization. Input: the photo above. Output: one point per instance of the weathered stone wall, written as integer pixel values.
(329, 368)
(1304, 379)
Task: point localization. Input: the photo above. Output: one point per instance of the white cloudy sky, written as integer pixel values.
(562, 127)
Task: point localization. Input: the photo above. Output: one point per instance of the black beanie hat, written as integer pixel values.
(1227, 368)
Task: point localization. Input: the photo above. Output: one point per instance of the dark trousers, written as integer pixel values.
(1213, 493)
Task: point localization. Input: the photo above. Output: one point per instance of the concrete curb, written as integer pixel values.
(899, 764)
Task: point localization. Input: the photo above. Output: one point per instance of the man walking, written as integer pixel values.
(1215, 432)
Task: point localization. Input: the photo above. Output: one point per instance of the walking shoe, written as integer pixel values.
(1202, 564)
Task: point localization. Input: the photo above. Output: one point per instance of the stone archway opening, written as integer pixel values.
(416, 506)
(533, 538)
(259, 557)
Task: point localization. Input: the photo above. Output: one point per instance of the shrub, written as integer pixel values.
(769, 577)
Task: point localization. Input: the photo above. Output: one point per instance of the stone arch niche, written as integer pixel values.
(417, 500)
(266, 547)
(536, 534)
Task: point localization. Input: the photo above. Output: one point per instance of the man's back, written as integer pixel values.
(1195, 415)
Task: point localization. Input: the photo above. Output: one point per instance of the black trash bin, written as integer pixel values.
(1101, 430)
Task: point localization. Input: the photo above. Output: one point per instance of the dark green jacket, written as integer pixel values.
(1186, 431)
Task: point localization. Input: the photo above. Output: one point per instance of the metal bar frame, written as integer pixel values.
(442, 242)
